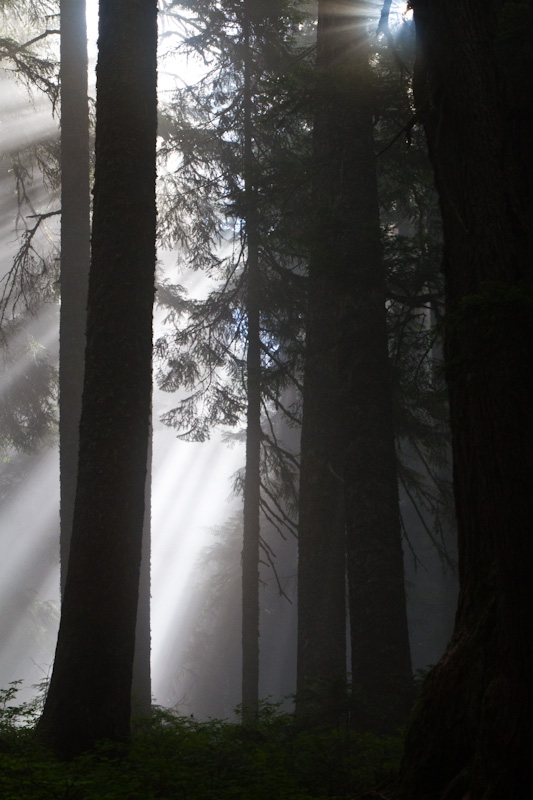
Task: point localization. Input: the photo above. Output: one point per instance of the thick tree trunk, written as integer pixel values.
(321, 654)
(89, 694)
(471, 731)
(75, 258)
(348, 436)
(381, 659)
(251, 532)
(75, 253)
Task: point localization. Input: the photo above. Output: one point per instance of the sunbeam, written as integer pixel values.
(191, 483)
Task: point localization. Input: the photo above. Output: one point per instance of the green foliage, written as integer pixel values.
(26, 29)
(178, 757)
(28, 411)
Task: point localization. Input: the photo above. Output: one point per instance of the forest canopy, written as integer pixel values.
(283, 250)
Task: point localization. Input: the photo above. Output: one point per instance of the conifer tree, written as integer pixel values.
(348, 436)
(470, 731)
(90, 689)
(242, 327)
(75, 251)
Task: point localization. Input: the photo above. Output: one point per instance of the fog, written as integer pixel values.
(192, 500)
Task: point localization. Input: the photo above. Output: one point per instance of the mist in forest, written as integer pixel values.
(196, 516)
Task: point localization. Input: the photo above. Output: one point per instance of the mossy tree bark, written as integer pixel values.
(90, 689)
(470, 734)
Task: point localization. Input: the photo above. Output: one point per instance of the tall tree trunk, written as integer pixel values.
(75, 258)
(141, 688)
(381, 658)
(348, 395)
(321, 654)
(250, 551)
(75, 252)
(90, 690)
(471, 731)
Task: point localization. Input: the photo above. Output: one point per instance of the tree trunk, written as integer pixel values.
(89, 696)
(381, 658)
(250, 550)
(75, 253)
(321, 657)
(470, 734)
(141, 688)
(348, 397)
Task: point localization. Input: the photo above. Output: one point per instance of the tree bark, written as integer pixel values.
(348, 437)
(90, 690)
(251, 530)
(381, 659)
(321, 654)
(75, 253)
(470, 734)
(141, 688)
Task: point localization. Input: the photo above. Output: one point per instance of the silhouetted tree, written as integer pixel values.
(89, 695)
(470, 732)
(348, 453)
(243, 326)
(75, 252)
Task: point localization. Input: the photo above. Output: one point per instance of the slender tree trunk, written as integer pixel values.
(75, 253)
(471, 732)
(90, 690)
(141, 689)
(250, 551)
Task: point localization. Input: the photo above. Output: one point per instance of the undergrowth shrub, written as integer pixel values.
(172, 757)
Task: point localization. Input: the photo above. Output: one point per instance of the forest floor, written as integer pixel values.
(172, 757)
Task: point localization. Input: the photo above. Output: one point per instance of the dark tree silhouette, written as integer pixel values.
(348, 453)
(251, 526)
(75, 252)
(89, 694)
(471, 730)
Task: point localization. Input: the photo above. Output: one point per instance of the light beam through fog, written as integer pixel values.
(191, 492)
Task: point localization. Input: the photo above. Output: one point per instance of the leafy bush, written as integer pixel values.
(171, 757)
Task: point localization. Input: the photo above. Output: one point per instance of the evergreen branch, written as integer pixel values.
(405, 534)
(22, 273)
(268, 552)
(441, 550)
(284, 519)
(406, 130)
(283, 367)
(50, 32)
(439, 482)
(292, 417)
(274, 440)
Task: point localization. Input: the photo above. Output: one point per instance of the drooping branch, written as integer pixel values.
(24, 281)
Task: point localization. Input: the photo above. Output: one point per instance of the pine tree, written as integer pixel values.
(469, 735)
(243, 326)
(89, 695)
(349, 401)
(75, 252)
